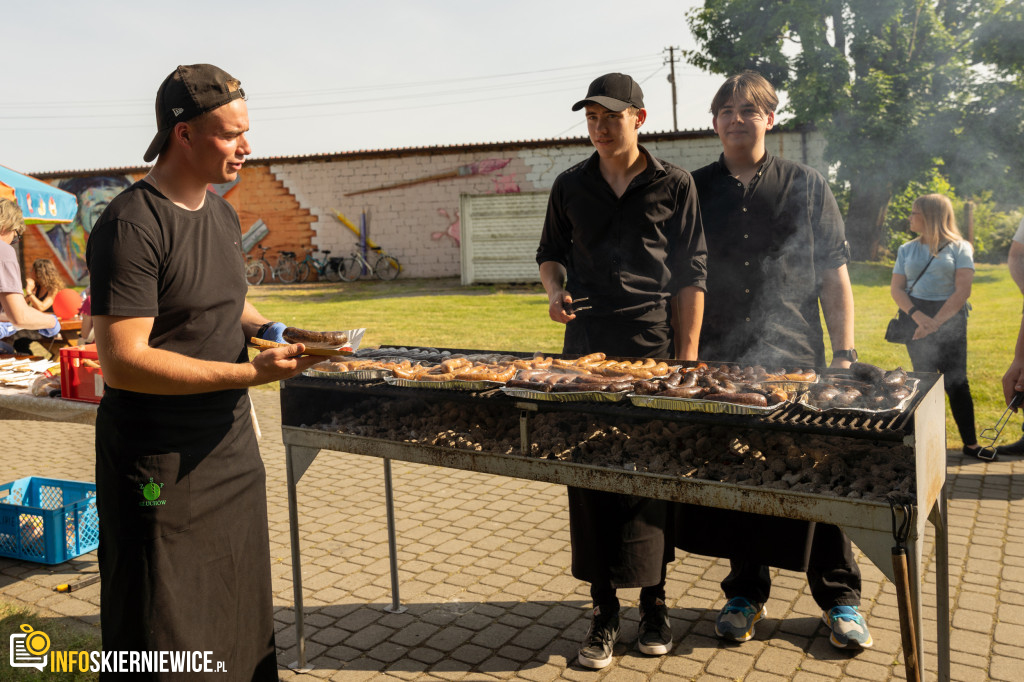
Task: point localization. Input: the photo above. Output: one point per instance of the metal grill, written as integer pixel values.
(920, 426)
(306, 398)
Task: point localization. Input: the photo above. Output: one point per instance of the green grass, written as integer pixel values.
(442, 313)
(66, 634)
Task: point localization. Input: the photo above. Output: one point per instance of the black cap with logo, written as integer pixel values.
(188, 92)
(614, 91)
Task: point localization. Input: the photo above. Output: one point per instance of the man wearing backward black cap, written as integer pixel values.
(184, 552)
(623, 229)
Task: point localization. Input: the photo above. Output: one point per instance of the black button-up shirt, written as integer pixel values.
(768, 244)
(629, 254)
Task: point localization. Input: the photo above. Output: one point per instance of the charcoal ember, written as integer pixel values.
(770, 459)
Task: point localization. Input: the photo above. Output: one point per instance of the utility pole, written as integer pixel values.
(672, 59)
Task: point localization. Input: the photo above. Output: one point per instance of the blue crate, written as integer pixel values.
(48, 520)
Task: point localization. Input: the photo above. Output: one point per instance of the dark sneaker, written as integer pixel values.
(849, 629)
(596, 651)
(737, 618)
(1016, 448)
(655, 633)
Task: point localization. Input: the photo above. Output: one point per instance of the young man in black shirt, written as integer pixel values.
(776, 248)
(623, 229)
(181, 490)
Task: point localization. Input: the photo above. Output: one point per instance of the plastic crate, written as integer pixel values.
(78, 381)
(48, 520)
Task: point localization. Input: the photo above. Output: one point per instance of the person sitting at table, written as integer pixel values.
(43, 285)
(15, 313)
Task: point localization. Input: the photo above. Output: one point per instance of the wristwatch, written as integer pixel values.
(850, 355)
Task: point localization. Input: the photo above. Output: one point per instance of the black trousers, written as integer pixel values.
(945, 351)
(184, 550)
(832, 572)
(619, 540)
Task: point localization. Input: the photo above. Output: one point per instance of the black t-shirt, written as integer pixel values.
(148, 257)
(628, 254)
(768, 245)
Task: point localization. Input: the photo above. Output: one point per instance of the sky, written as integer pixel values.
(334, 76)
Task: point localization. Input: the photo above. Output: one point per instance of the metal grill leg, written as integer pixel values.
(297, 460)
(389, 501)
(938, 519)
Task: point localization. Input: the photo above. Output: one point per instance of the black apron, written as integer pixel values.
(184, 551)
(621, 540)
(726, 533)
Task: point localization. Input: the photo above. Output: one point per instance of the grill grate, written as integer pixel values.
(300, 406)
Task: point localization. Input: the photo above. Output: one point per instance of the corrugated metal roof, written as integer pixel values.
(400, 151)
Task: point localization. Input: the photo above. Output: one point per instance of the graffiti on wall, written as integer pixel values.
(453, 227)
(505, 184)
(484, 167)
(68, 241)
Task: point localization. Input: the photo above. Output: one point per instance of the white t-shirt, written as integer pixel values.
(1018, 236)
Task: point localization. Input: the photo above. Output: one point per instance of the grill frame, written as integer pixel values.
(921, 426)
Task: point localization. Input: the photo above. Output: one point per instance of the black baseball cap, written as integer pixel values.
(188, 92)
(614, 91)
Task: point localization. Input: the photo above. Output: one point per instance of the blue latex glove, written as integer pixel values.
(274, 333)
(52, 331)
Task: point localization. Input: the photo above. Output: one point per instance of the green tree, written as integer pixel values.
(896, 86)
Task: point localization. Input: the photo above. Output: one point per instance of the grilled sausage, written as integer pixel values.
(867, 372)
(530, 385)
(644, 387)
(314, 338)
(896, 377)
(753, 399)
(684, 392)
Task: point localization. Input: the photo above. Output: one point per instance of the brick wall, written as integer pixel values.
(260, 196)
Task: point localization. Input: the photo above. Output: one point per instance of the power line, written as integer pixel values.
(579, 123)
(21, 104)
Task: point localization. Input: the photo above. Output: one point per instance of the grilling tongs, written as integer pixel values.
(575, 307)
(992, 434)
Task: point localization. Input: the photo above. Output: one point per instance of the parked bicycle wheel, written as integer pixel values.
(386, 267)
(286, 271)
(331, 269)
(255, 272)
(303, 271)
(349, 269)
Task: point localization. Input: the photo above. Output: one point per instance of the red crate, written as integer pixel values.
(78, 381)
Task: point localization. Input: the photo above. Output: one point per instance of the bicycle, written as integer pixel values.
(256, 269)
(325, 269)
(385, 267)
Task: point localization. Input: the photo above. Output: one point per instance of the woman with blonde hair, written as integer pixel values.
(42, 287)
(931, 282)
(15, 314)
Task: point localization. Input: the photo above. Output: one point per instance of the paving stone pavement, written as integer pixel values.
(484, 565)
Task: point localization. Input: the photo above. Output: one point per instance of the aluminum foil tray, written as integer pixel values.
(453, 385)
(565, 396)
(354, 375)
(807, 403)
(699, 405)
(789, 386)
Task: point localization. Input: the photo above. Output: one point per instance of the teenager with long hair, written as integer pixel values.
(939, 264)
(43, 285)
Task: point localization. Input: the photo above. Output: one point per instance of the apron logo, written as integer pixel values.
(151, 491)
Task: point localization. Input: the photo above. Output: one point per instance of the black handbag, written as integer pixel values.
(902, 327)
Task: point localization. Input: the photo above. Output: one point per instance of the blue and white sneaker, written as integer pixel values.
(737, 618)
(849, 629)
